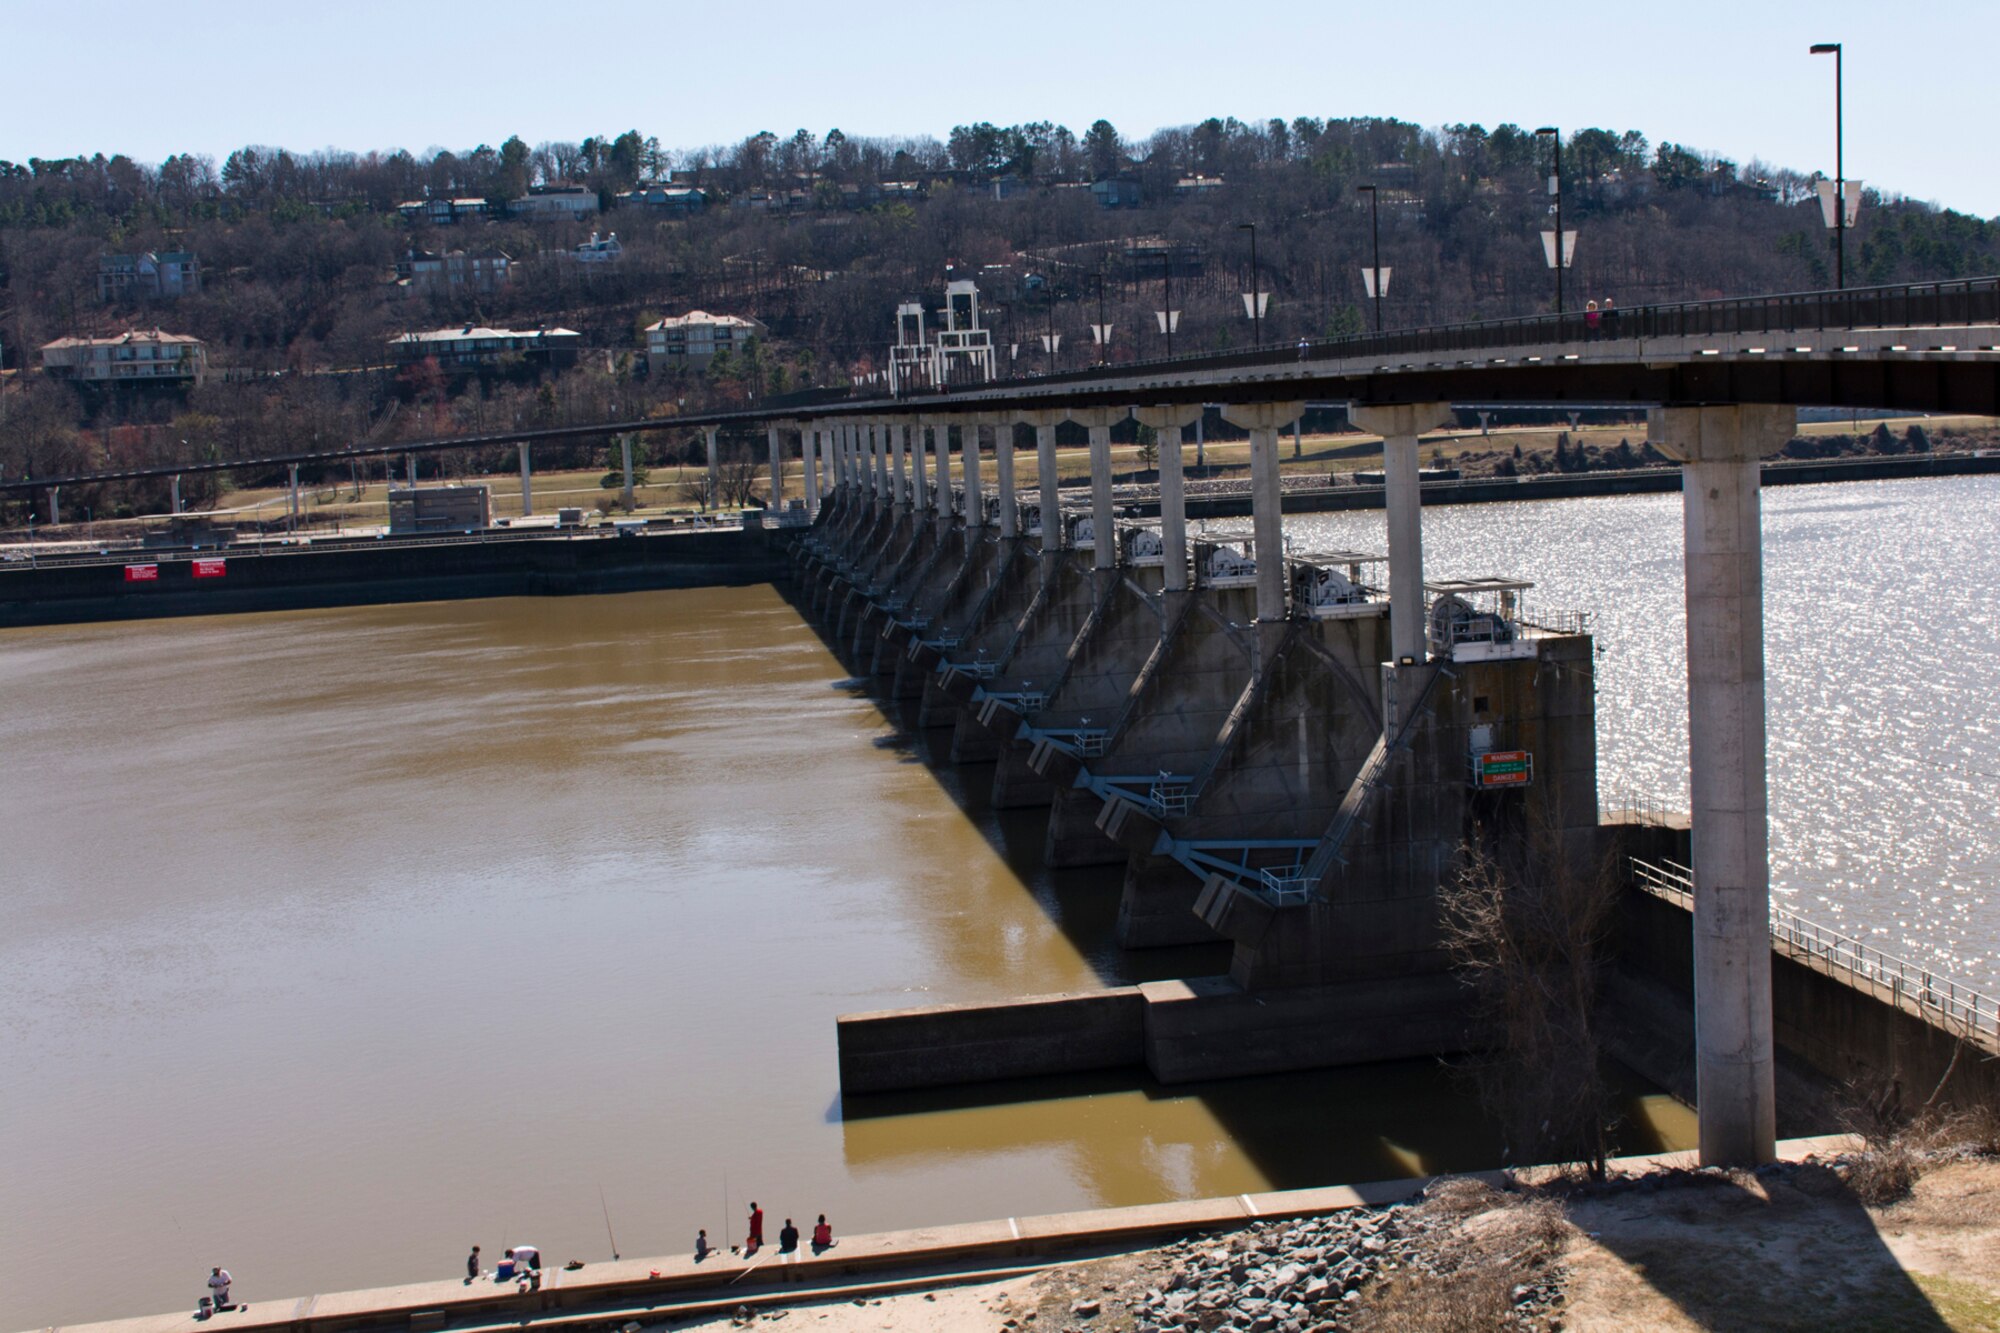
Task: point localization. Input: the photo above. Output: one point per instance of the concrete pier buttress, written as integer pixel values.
(1399, 425)
(1264, 421)
(1003, 473)
(1099, 421)
(1048, 481)
(1171, 423)
(1720, 449)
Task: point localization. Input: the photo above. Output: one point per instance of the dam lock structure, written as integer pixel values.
(1286, 752)
(1227, 720)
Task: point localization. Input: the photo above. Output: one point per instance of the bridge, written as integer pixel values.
(1721, 380)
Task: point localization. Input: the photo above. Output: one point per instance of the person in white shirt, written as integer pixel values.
(218, 1287)
(526, 1257)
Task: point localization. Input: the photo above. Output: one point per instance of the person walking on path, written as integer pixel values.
(756, 1228)
(472, 1266)
(701, 1249)
(218, 1287)
(788, 1238)
(822, 1236)
(1591, 315)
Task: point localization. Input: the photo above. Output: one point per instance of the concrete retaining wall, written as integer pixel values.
(967, 1043)
(1853, 1036)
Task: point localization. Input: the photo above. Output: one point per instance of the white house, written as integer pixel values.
(556, 201)
(139, 356)
(696, 338)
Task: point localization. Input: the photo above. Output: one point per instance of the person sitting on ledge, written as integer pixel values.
(822, 1236)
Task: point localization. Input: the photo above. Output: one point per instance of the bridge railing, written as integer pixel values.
(1966, 301)
(1959, 1006)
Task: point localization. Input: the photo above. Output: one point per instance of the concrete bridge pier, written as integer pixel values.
(1048, 484)
(1720, 450)
(527, 486)
(1399, 425)
(1264, 421)
(969, 431)
(1170, 422)
(1099, 421)
(775, 434)
(625, 457)
(878, 449)
(714, 469)
(899, 476)
(1003, 477)
(808, 446)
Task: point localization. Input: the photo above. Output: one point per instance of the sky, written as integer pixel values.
(1734, 78)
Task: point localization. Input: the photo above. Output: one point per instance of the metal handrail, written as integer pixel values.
(1957, 1003)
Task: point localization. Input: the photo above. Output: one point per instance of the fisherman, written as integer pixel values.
(788, 1238)
(701, 1246)
(218, 1288)
(756, 1237)
(822, 1236)
(472, 1266)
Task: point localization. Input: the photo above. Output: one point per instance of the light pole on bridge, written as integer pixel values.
(1837, 214)
(1559, 246)
(1378, 278)
(1255, 300)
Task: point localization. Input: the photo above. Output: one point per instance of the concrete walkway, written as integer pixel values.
(631, 1286)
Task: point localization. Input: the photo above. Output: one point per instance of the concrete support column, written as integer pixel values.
(527, 486)
(975, 488)
(1003, 471)
(1099, 421)
(410, 468)
(941, 435)
(777, 468)
(55, 506)
(714, 468)
(1047, 482)
(878, 462)
(294, 471)
(1399, 424)
(177, 481)
(625, 460)
(923, 481)
(1720, 449)
(899, 473)
(1264, 421)
(1171, 423)
(808, 449)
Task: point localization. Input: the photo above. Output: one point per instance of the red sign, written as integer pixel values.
(1503, 768)
(210, 569)
(142, 573)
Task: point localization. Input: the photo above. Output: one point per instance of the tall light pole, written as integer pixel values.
(1558, 256)
(1839, 168)
(1256, 297)
(1378, 282)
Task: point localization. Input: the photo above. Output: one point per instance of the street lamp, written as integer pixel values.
(1255, 300)
(1836, 209)
(1558, 246)
(1169, 318)
(1377, 276)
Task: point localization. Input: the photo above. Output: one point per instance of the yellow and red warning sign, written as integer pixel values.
(1503, 768)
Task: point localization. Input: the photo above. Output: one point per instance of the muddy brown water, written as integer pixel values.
(339, 941)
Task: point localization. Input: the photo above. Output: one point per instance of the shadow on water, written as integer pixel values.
(1788, 1249)
(1381, 1121)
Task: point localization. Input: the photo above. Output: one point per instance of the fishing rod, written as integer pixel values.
(607, 1221)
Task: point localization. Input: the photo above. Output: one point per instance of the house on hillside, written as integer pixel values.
(1197, 186)
(444, 212)
(427, 272)
(152, 276)
(1118, 192)
(474, 345)
(693, 340)
(561, 200)
(671, 200)
(140, 356)
(598, 250)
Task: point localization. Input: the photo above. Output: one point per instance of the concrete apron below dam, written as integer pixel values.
(1275, 769)
(608, 1295)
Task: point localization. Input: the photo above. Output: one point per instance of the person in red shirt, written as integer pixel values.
(756, 1227)
(822, 1235)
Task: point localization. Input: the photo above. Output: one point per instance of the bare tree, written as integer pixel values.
(1530, 929)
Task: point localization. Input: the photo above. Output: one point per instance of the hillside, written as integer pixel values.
(819, 236)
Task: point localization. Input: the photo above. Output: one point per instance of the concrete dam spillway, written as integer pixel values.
(1274, 763)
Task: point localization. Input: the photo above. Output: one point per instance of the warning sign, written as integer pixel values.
(142, 573)
(211, 569)
(1503, 768)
